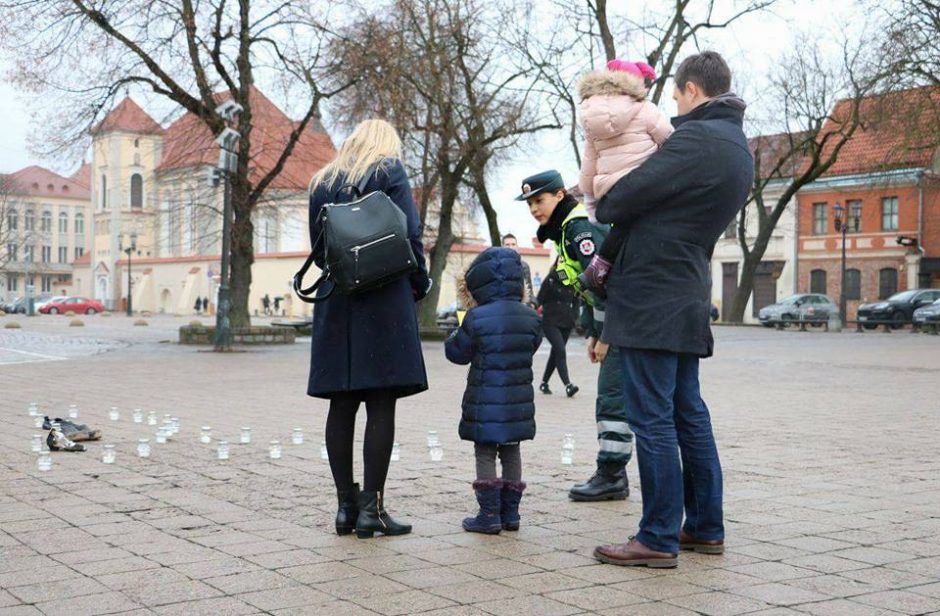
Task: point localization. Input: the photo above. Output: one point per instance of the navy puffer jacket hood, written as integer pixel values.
(498, 337)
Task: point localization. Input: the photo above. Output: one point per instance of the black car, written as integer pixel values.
(812, 308)
(928, 315)
(898, 309)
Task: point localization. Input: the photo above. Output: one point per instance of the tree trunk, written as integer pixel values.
(746, 283)
(483, 196)
(600, 14)
(242, 255)
(438, 256)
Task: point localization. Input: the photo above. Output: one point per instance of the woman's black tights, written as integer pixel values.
(558, 338)
(377, 447)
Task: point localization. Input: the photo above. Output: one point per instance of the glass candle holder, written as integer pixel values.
(222, 451)
(160, 438)
(37, 421)
(107, 454)
(44, 461)
(245, 436)
(206, 436)
(114, 414)
(73, 411)
(567, 450)
(396, 452)
(36, 443)
(436, 453)
(433, 439)
(297, 437)
(152, 418)
(324, 452)
(138, 416)
(274, 450)
(175, 424)
(143, 448)
(33, 409)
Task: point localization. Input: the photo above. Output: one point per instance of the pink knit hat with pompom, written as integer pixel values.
(640, 69)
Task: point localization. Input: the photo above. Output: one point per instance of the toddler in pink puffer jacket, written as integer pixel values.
(621, 129)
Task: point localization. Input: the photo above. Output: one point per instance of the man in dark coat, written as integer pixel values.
(675, 206)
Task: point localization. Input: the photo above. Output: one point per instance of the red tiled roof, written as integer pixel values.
(82, 175)
(40, 182)
(771, 148)
(899, 130)
(129, 117)
(189, 143)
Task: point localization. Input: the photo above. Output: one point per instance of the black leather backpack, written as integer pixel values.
(364, 242)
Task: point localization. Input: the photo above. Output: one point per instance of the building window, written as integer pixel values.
(46, 254)
(731, 233)
(47, 222)
(13, 220)
(12, 252)
(820, 218)
(79, 251)
(63, 222)
(137, 191)
(46, 284)
(29, 221)
(104, 192)
(853, 284)
(79, 224)
(63, 254)
(817, 281)
(887, 282)
(11, 282)
(28, 253)
(855, 213)
(889, 214)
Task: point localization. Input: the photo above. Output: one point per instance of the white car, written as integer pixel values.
(39, 303)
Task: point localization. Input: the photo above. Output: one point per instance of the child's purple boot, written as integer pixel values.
(488, 519)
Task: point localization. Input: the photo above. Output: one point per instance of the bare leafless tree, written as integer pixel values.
(822, 103)
(438, 69)
(81, 54)
(913, 42)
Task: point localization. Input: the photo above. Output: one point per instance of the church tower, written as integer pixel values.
(126, 148)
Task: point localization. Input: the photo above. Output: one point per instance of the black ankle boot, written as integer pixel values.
(348, 511)
(374, 519)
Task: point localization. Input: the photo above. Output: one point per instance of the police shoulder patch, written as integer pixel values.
(586, 247)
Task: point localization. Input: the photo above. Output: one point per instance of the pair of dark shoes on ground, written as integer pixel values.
(499, 506)
(364, 513)
(64, 434)
(635, 554)
(570, 389)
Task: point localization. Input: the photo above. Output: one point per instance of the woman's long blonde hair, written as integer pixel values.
(371, 141)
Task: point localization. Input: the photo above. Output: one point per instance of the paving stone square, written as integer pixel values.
(828, 442)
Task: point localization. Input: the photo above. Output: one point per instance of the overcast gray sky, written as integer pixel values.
(751, 46)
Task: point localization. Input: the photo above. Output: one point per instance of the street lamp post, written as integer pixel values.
(129, 251)
(841, 221)
(228, 141)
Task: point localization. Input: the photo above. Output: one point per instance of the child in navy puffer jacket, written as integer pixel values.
(498, 337)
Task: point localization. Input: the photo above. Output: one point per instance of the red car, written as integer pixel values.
(78, 305)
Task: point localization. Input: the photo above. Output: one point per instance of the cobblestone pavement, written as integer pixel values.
(829, 444)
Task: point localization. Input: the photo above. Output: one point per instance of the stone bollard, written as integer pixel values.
(195, 323)
(105, 314)
(12, 325)
(69, 313)
(76, 323)
(141, 323)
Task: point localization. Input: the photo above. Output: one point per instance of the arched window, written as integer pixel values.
(63, 222)
(137, 192)
(817, 281)
(104, 192)
(853, 284)
(29, 221)
(13, 220)
(79, 224)
(47, 222)
(887, 282)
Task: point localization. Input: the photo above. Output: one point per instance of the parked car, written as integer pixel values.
(929, 314)
(78, 305)
(447, 316)
(46, 298)
(812, 308)
(17, 306)
(899, 308)
(9, 306)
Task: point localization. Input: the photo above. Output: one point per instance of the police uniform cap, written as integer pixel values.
(546, 181)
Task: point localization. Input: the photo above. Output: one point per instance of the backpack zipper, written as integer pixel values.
(355, 250)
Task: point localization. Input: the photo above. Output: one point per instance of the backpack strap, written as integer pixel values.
(364, 181)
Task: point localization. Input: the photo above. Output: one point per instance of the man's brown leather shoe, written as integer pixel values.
(688, 542)
(634, 554)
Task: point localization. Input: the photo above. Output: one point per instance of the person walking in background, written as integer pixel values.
(536, 282)
(509, 241)
(559, 308)
(365, 346)
(205, 305)
(198, 306)
(498, 337)
(674, 207)
(277, 305)
(266, 304)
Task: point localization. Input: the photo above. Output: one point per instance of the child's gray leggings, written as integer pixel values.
(510, 458)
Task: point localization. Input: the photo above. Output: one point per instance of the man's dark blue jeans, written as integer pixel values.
(669, 417)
